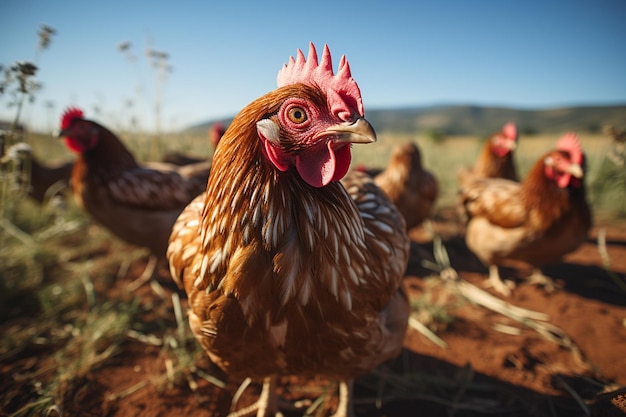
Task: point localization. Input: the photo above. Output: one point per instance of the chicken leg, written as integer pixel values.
(345, 407)
(497, 283)
(266, 405)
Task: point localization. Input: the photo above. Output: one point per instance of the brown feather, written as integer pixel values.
(410, 187)
(490, 164)
(137, 203)
(285, 278)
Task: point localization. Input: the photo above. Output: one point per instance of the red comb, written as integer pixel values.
(309, 71)
(570, 143)
(71, 114)
(510, 131)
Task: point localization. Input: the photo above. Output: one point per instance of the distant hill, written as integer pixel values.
(482, 120)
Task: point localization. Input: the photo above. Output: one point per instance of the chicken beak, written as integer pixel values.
(575, 170)
(510, 144)
(360, 131)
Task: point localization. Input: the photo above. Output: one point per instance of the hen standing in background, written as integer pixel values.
(536, 221)
(496, 157)
(136, 203)
(216, 131)
(410, 187)
(44, 181)
(288, 270)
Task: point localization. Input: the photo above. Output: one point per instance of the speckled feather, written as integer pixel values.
(137, 203)
(285, 278)
(152, 189)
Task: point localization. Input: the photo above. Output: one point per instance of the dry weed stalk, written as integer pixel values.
(534, 320)
(606, 260)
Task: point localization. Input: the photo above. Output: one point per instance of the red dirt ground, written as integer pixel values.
(482, 372)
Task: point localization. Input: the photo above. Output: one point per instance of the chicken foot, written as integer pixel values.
(494, 281)
(538, 278)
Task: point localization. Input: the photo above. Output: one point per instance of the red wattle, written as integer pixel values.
(344, 158)
(318, 167)
(73, 145)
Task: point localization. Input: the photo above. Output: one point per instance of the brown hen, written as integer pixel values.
(536, 221)
(496, 157)
(411, 187)
(291, 266)
(137, 203)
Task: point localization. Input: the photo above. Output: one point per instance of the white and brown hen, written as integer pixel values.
(292, 265)
(536, 221)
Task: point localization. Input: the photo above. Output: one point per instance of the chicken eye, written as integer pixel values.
(297, 115)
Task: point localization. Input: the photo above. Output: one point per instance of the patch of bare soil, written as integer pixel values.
(492, 365)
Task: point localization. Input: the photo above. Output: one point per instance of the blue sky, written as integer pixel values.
(531, 54)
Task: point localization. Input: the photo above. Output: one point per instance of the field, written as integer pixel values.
(76, 341)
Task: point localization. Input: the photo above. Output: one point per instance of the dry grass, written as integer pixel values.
(63, 318)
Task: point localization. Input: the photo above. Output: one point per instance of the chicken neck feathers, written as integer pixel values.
(303, 273)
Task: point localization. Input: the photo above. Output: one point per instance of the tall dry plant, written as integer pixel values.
(161, 68)
(20, 85)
